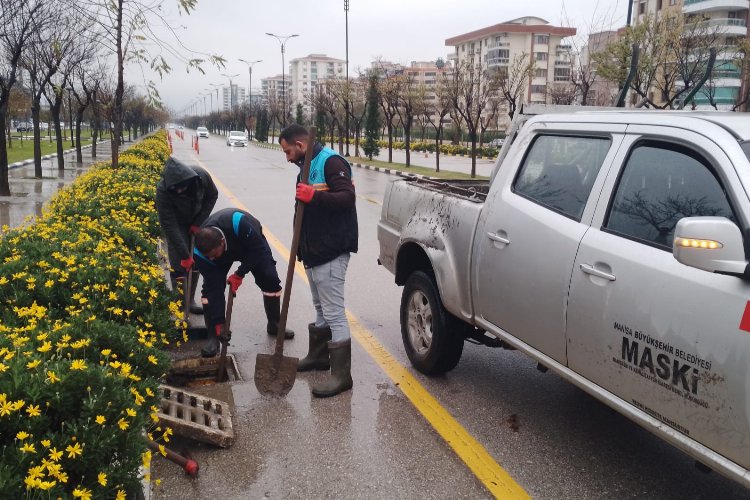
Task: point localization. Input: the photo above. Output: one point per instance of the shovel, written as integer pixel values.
(275, 373)
(221, 371)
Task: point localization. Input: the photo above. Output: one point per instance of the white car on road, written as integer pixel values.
(237, 138)
(202, 132)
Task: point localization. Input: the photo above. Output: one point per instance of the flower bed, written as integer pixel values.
(84, 314)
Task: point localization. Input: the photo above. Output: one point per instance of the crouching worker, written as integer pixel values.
(185, 197)
(228, 236)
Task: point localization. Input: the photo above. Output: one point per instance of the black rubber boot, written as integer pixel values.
(272, 305)
(194, 307)
(317, 356)
(341, 370)
(211, 348)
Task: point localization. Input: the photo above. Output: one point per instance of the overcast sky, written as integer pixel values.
(396, 30)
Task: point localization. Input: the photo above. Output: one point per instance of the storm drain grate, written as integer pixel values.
(196, 416)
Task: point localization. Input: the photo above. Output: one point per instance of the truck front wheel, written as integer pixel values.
(433, 338)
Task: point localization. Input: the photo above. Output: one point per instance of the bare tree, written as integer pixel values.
(389, 91)
(48, 47)
(471, 89)
(583, 74)
(512, 81)
(69, 53)
(407, 103)
(437, 109)
(489, 116)
(674, 51)
(84, 85)
(132, 30)
(358, 107)
(562, 92)
(18, 21)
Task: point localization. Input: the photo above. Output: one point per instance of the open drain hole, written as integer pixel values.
(195, 372)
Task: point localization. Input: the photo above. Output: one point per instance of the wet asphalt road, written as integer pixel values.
(551, 438)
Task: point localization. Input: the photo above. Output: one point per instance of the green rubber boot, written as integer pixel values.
(317, 356)
(341, 370)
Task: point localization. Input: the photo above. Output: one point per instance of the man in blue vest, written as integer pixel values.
(329, 235)
(228, 236)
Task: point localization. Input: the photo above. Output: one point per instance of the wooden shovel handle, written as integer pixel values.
(298, 214)
(188, 281)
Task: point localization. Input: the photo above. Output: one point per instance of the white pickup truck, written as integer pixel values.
(611, 247)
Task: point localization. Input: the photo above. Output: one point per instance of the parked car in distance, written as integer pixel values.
(171, 126)
(202, 132)
(24, 127)
(237, 138)
(496, 143)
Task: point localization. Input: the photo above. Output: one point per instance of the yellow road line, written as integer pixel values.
(471, 452)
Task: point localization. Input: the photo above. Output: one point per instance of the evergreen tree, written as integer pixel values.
(299, 119)
(372, 126)
(261, 132)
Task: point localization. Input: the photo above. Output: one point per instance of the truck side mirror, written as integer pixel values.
(713, 244)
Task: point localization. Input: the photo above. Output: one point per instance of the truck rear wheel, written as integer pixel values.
(433, 338)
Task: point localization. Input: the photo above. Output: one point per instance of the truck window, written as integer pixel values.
(659, 185)
(746, 148)
(558, 172)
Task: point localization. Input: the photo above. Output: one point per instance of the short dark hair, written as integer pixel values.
(207, 239)
(293, 133)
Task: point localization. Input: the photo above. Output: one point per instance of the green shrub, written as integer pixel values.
(84, 312)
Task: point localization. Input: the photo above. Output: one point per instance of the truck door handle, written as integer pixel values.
(589, 269)
(498, 238)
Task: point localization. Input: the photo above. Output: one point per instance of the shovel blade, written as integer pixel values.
(275, 374)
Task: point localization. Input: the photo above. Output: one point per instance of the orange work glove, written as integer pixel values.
(234, 281)
(305, 193)
(187, 264)
(194, 230)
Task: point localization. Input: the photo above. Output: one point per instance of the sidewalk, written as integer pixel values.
(29, 194)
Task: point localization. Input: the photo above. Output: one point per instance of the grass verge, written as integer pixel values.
(20, 150)
(401, 167)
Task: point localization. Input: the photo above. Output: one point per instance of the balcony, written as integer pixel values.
(737, 27)
(696, 6)
(497, 45)
(497, 61)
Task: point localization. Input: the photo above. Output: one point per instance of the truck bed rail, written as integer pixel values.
(470, 190)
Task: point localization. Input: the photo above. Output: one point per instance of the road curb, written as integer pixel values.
(45, 157)
(384, 170)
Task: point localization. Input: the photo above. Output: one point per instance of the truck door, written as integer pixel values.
(662, 336)
(528, 236)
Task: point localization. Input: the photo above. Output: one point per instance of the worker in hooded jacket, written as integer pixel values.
(185, 197)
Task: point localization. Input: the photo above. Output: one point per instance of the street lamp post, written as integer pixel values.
(231, 89)
(211, 99)
(283, 81)
(250, 82)
(346, 99)
(216, 88)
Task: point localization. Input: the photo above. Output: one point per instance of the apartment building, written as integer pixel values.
(306, 72)
(274, 87)
(495, 47)
(232, 96)
(602, 92)
(730, 19)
